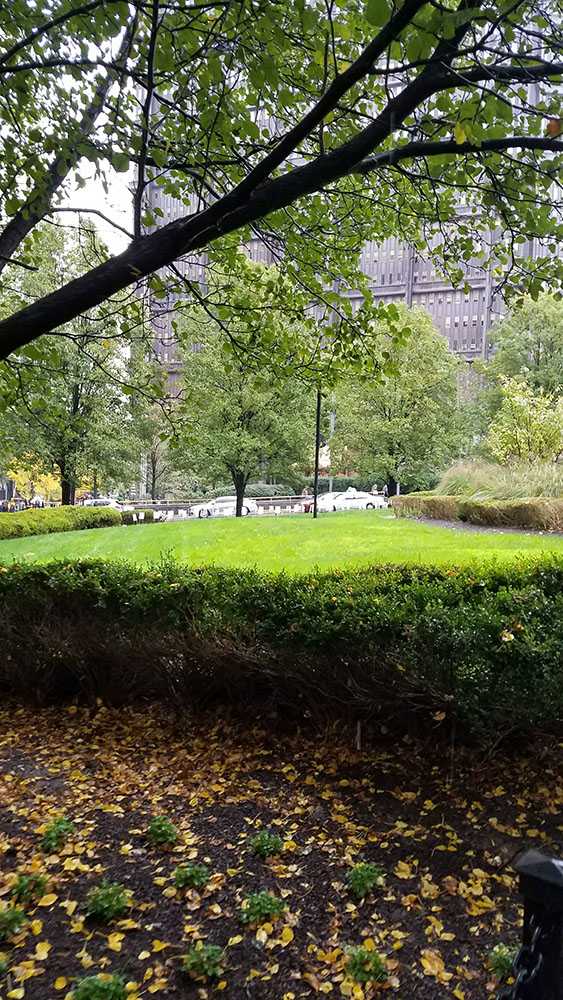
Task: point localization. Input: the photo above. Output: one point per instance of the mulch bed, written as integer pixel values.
(445, 829)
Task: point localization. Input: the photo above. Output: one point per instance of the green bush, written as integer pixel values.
(266, 844)
(100, 987)
(501, 960)
(107, 902)
(425, 505)
(12, 919)
(54, 519)
(261, 906)
(364, 877)
(28, 888)
(364, 966)
(56, 834)
(482, 644)
(191, 876)
(162, 832)
(203, 961)
(539, 514)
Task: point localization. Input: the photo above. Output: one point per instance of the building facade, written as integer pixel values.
(396, 273)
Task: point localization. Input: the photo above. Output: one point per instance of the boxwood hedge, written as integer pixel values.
(537, 513)
(398, 644)
(53, 519)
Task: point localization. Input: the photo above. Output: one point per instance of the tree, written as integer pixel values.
(402, 427)
(242, 416)
(325, 124)
(72, 417)
(528, 344)
(528, 426)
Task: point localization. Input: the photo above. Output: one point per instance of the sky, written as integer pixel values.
(116, 205)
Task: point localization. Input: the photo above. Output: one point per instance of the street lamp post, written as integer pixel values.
(317, 452)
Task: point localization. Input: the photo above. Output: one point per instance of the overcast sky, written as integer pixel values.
(116, 205)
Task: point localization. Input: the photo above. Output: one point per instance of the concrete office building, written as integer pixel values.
(397, 274)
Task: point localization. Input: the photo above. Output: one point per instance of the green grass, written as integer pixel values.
(293, 543)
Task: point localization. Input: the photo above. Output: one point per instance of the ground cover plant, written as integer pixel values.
(294, 544)
(444, 827)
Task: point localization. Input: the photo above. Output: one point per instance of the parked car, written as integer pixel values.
(102, 502)
(224, 507)
(351, 499)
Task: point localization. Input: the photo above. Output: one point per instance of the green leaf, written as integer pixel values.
(377, 12)
(120, 162)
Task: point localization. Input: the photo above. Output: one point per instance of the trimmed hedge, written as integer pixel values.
(53, 519)
(396, 644)
(540, 514)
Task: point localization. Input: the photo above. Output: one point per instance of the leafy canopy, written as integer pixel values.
(322, 126)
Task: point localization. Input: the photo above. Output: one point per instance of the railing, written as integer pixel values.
(538, 973)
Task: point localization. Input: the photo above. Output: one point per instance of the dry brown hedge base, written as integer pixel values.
(538, 514)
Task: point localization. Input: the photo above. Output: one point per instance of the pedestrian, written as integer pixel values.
(385, 490)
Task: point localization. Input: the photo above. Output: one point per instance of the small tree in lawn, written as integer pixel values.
(528, 427)
(401, 426)
(244, 411)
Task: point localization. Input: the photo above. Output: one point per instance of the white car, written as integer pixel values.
(103, 502)
(352, 499)
(224, 507)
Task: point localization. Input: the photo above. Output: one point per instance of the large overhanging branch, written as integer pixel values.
(419, 150)
(253, 200)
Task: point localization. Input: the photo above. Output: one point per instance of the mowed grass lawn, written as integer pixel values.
(296, 543)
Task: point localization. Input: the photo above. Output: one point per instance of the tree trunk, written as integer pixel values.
(153, 474)
(240, 481)
(68, 491)
(95, 483)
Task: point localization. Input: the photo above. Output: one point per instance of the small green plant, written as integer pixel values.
(363, 877)
(162, 832)
(12, 920)
(266, 844)
(107, 902)
(365, 966)
(56, 834)
(203, 961)
(191, 876)
(3, 965)
(29, 887)
(261, 906)
(101, 987)
(501, 959)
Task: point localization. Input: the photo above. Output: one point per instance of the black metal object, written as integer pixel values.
(317, 451)
(537, 967)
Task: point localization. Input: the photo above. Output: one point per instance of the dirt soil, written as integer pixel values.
(445, 829)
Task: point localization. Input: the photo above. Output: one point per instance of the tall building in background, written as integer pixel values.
(396, 273)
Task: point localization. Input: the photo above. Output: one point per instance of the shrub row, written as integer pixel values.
(540, 514)
(53, 519)
(397, 644)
